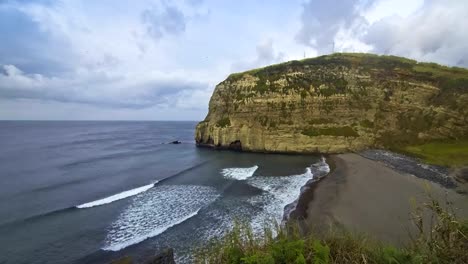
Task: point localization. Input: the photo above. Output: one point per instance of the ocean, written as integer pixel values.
(93, 191)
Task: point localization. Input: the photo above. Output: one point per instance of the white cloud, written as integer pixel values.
(431, 30)
(99, 88)
(165, 20)
(265, 55)
(125, 60)
(434, 32)
(323, 20)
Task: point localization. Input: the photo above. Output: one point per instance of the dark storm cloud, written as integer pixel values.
(165, 20)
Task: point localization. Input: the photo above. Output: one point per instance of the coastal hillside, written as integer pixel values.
(337, 103)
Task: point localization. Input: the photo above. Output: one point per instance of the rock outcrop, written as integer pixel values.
(337, 103)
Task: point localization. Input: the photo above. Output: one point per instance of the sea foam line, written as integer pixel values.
(153, 233)
(239, 173)
(117, 197)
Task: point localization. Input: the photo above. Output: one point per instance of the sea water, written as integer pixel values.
(90, 192)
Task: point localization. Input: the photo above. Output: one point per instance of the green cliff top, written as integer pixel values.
(449, 76)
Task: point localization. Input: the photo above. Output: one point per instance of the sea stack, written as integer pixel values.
(337, 103)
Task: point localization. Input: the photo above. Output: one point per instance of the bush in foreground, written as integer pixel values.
(440, 238)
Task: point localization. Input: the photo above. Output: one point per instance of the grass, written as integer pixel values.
(368, 60)
(441, 239)
(450, 153)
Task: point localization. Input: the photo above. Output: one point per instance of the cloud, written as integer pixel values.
(52, 55)
(99, 89)
(42, 2)
(321, 21)
(166, 56)
(194, 2)
(29, 45)
(167, 19)
(265, 55)
(435, 32)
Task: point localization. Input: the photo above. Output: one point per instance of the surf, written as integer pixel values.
(116, 197)
(154, 212)
(153, 233)
(239, 173)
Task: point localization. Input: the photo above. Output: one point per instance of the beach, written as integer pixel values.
(367, 196)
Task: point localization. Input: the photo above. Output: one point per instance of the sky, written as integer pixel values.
(161, 59)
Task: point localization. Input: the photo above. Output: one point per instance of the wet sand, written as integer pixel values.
(368, 197)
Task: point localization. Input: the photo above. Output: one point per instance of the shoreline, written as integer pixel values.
(410, 165)
(298, 209)
(366, 196)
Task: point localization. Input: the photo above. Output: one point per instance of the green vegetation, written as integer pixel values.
(416, 120)
(224, 122)
(366, 123)
(365, 60)
(445, 153)
(345, 131)
(451, 80)
(441, 238)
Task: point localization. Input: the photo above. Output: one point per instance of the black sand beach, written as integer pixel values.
(366, 196)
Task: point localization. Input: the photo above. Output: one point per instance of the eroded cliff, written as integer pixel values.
(337, 103)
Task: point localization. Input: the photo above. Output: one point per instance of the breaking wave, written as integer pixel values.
(281, 193)
(278, 193)
(117, 197)
(239, 173)
(153, 233)
(320, 168)
(153, 212)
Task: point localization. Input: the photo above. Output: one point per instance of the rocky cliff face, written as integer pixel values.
(337, 103)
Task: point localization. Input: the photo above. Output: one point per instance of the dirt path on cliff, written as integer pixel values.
(366, 196)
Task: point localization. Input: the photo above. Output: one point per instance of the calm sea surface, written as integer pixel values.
(89, 192)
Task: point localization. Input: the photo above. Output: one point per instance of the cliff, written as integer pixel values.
(337, 103)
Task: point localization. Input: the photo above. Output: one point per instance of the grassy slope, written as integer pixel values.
(368, 60)
(454, 153)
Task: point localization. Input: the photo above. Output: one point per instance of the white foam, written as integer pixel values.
(239, 173)
(153, 212)
(279, 192)
(153, 233)
(321, 167)
(117, 197)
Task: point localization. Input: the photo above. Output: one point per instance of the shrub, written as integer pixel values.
(321, 253)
